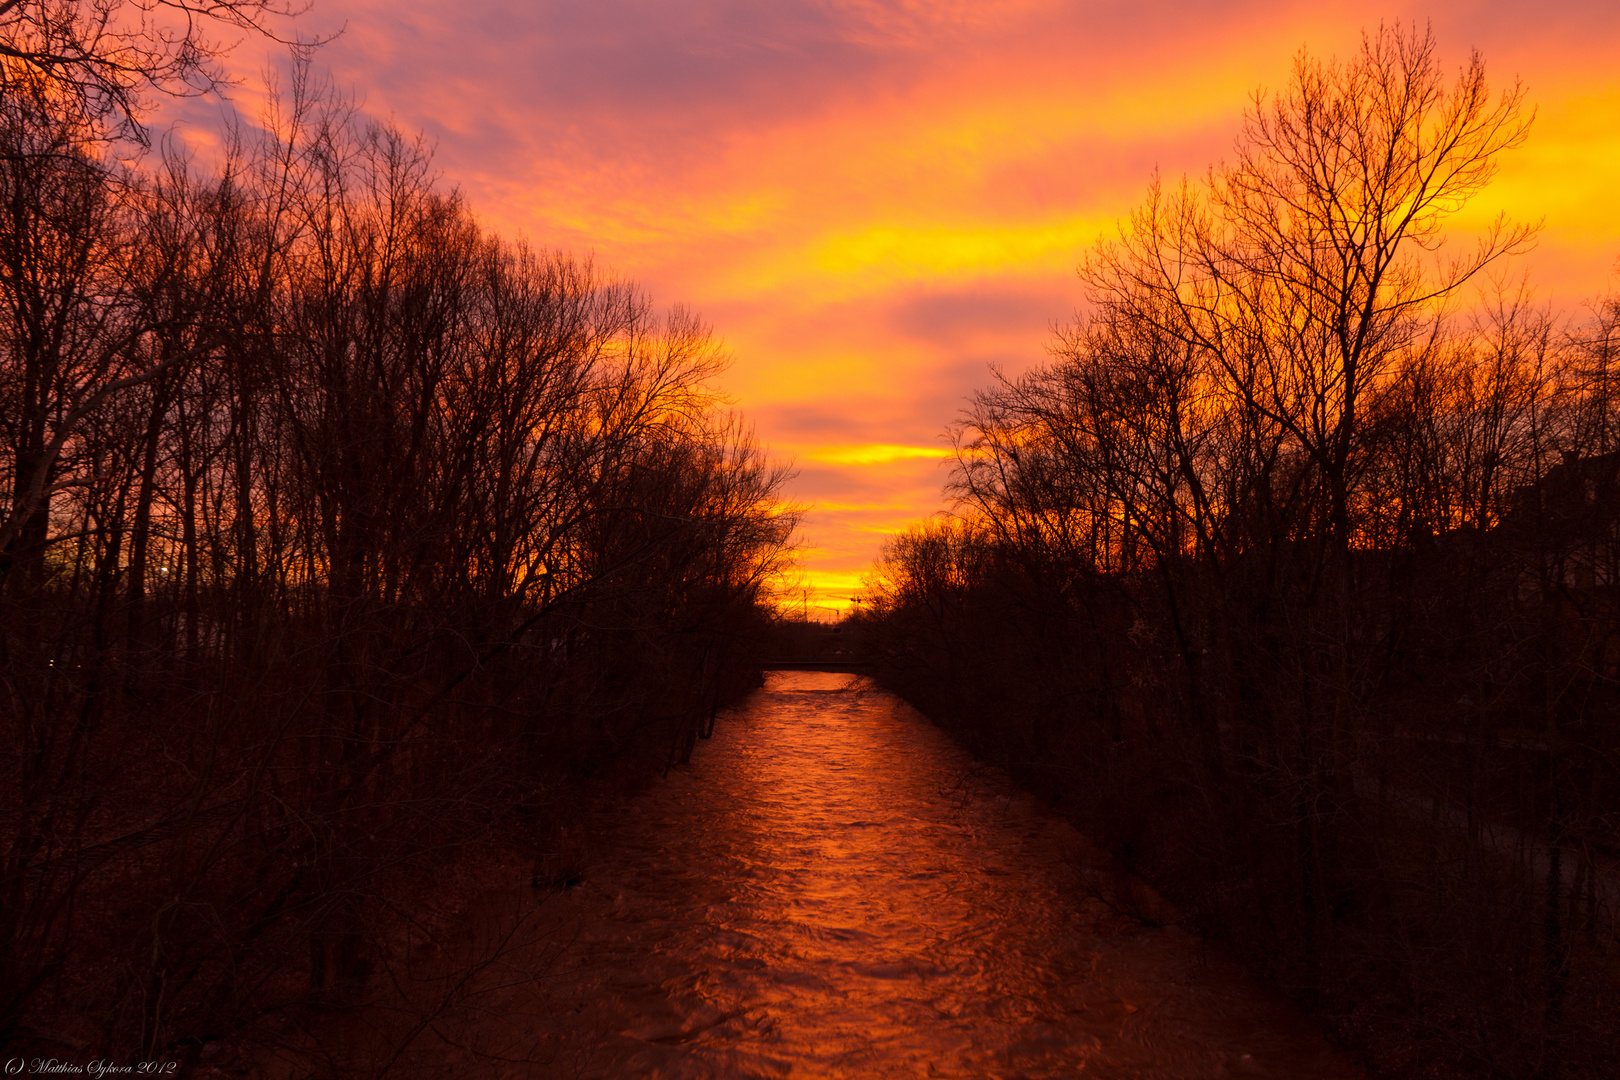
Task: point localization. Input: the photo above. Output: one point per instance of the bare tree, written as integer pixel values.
(103, 59)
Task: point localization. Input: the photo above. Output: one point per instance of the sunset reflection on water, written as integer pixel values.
(834, 889)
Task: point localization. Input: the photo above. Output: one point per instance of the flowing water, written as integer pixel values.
(832, 889)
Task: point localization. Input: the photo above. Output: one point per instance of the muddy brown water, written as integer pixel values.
(833, 889)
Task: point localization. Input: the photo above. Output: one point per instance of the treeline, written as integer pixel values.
(1295, 575)
(337, 533)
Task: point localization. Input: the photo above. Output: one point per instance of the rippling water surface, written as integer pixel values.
(832, 889)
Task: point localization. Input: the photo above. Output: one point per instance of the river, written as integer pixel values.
(834, 889)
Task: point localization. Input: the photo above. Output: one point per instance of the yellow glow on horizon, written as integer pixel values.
(832, 590)
(888, 506)
(876, 454)
(835, 579)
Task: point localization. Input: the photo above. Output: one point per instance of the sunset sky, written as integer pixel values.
(873, 201)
